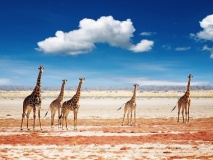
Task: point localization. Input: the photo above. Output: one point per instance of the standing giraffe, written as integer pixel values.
(130, 106)
(56, 105)
(72, 105)
(32, 101)
(184, 102)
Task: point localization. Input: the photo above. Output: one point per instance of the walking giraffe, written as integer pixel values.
(56, 105)
(130, 106)
(184, 102)
(72, 105)
(32, 101)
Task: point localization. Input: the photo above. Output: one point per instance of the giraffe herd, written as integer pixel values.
(33, 101)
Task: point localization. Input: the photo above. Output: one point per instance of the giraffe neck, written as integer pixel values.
(134, 94)
(37, 88)
(61, 95)
(187, 93)
(78, 92)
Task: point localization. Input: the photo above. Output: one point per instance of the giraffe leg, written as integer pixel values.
(29, 108)
(65, 118)
(66, 115)
(59, 119)
(62, 121)
(39, 116)
(34, 116)
(23, 115)
(66, 121)
(179, 106)
(124, 115)
(188, 109)
(22, 120)
(183, 113)
(75, 118)
(135, 116)
(130, 118)
(27, 121)
(52, 119)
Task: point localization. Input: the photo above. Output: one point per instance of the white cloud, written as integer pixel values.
(206, 48)
(104, 30)
(143, 46)
(147, 33)
(207, 25)
(4, 81)
(207, 33)
(182, 48)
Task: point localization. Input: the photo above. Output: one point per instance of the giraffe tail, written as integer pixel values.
(174, 107)
(121, 106)
(47, 112)
(60, 114)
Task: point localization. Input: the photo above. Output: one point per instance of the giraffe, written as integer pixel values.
(72, 105)
(56, 105)
(184, 102)
(32, 101)
(130, 106)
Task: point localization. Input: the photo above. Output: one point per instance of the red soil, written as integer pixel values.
(164, 131)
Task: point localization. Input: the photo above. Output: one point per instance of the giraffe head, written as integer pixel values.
(136, 85)
(81, 80)
(64, 81)
(41, 68)
(190, 77)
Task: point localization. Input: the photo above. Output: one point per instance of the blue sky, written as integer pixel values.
(112, 43)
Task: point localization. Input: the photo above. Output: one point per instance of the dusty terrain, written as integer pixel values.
(156, 135)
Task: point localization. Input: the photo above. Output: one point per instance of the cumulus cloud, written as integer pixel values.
(207, 25)
(207, 29)
(182, 48)
(207, 32)
(144, 45)
(206, 48)
(103, 30)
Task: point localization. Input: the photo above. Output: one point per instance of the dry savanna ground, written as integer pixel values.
(156, 135)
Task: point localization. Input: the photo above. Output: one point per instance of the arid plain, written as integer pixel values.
(156, 135)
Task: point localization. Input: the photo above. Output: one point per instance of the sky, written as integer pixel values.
(111, 43)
